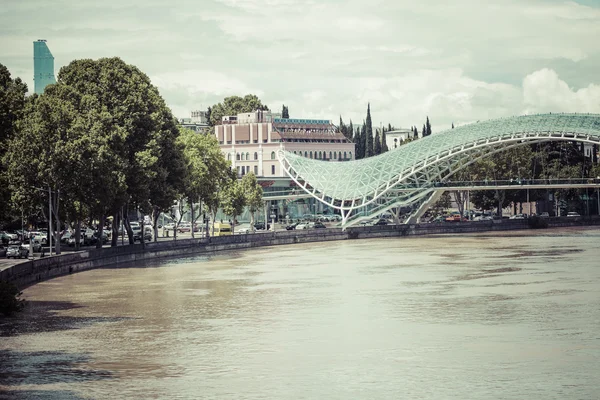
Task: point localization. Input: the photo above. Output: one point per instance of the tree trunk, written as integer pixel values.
(128, 228)
(155, 215)
(252, 220)
(100, 231)
(114, 239)
(142, 232)
(55, 209)
(77, 234)
(193, 221)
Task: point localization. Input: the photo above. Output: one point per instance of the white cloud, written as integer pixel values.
(454, 61)
(544, 91)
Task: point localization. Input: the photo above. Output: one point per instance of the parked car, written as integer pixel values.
(65, 236)
(293, 226)
(71, 240)
(454, 217)
(17, 251)
(184, 227)
(573, 214)
(40, 236)
(517, 216)
(5, 238)
(544, 215)
(244, 230)
(381, 221)
(137, 234)
(2, 251)
(261, 226)
(35, 247)
(301, 226)
(318, 225)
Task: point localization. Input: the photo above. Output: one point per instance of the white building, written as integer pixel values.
(197, 122)
(251, 140)
(394, 138)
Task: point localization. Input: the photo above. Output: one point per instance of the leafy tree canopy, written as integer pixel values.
(234, 105)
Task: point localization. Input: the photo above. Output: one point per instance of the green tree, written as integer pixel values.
(427, 127)
(207, 169)
(377, 147)
(254, 193)
(12, 104)
(234, 105)
(369, 134)
(234, 200)
(384, 146)
(285, 112)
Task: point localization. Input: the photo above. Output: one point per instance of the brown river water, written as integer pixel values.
(486, 316)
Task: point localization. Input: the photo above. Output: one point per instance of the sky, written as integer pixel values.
(454, 61)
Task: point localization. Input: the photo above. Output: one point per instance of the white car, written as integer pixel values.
(243, 230)
(302, 226)
(39, 236)
(573, 214)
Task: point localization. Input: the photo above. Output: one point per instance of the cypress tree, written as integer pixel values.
(377, 147)
(384, 146)
(343, 127)
(350, 132)
(424, 133)
(358, 141)
(285, 113)
(453, 125)
(428, 126)
(369, 133)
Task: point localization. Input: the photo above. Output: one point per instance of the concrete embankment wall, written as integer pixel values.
(34, 271)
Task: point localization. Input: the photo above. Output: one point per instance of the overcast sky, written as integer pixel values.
(455, 61)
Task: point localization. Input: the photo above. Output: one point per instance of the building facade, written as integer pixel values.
(43, 66)
(394, 138)
(197, 122)
(251, 141)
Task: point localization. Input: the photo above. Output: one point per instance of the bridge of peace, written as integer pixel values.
(416, 174)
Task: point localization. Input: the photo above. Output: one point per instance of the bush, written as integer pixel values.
(9, 299)
(536, 222)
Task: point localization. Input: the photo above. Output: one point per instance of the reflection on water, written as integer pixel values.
(506, 315)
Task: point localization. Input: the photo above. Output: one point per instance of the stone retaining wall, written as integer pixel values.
(33, 271)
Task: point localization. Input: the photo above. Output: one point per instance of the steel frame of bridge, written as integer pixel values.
(406, 176)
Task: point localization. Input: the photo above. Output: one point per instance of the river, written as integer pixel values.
(483, 316)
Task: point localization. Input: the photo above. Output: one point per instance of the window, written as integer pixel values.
(237, 156)
(339, 155)
(351, 155)
(344, 155)
(242, 156)
(320, 155)
(305, 154)
(228, 156)
(272, 170)
(311, 154)
(294, 151)
(247, 156)
(256, 170)
(256, 156)
(330, 155)
(272, 155)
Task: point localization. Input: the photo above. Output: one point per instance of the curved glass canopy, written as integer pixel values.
(350, 185)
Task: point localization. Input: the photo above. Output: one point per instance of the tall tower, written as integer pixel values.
(43, 66)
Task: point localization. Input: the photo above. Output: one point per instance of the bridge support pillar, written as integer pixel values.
(415, 218)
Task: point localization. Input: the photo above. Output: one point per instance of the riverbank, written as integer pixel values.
(31, 272)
